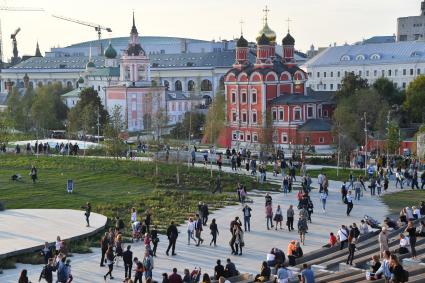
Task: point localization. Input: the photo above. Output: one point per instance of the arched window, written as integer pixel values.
(253, 96)
(49, 83)
(297, 113)
(221, 83)
(127, 73)
(40, 84)
(375, 56)
(206, 85)
(69, 84)
(178, 86)
(191, 85)
(345, 58)
(360, 57)
(31, 84)
(167, 85)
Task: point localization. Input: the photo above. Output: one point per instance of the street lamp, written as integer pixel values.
(365, 153)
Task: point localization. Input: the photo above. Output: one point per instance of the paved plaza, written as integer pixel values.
(259, 241)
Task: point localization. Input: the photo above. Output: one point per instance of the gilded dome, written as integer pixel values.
(270, 34)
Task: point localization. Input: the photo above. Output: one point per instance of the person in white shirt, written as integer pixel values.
(133, 215)
(404, 243)
(320, 181)
(323, 197)
(190, 229)
(364, 228)
(342, 235)
(409, 213)
(349, 200)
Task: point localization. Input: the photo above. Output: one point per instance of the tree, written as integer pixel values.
(393, 138)
(415, 99)
(5, 126)
(192, 122)
(114, 143)
(388, 91)
(350, 84)
(216, 117)
(79, 117)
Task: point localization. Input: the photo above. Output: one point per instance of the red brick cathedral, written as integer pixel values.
(267, 101)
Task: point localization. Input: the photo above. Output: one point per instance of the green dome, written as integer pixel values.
(263, 40)
(110, 52)
(81, 80)
(90, 64)
(242, 42)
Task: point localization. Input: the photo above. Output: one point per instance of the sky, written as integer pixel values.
(318, 22)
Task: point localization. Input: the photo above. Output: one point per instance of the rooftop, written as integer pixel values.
(316, 125)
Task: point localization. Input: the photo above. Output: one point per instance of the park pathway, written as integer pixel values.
(259, 241)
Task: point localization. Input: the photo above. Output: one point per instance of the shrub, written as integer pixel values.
(2, 206)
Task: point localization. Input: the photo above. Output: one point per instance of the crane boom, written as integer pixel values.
(24, 9)
(96, 26)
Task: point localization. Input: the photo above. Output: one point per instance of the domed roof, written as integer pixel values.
(110, 52)
(270, 34)
(90, 64)
(263, 40)
(242, 42)
(288, 40)
(80, 80)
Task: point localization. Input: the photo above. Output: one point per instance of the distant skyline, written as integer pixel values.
(318, 22)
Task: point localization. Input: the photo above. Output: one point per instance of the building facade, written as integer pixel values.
(268, 102)
(413, 27)
(400, 62)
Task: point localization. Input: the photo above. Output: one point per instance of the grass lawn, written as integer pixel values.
(331, 173)
(114, 186)
(397, 201)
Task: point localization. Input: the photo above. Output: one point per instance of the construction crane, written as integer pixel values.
(13, 9)
(98, 28)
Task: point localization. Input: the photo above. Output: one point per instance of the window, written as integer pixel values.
(321, 140)
(254, 137)
(319, 111)
(332, 74)
(367, 73)
(244, 117)
(297, 113)
(324, 86)
(274, 115)
(248, 137)
(404, 85)
(318, 74)
(234, 117)
(339, 86)
(360, 57)
(234, 136)
(254, 118)
(241, 137)
(382, 73)
(306, 140)
(233, 97)
(395, 72)
(325, 113)
(375, 73)
(411, 72)
(281, 115)
(339, 74)
(404, 72)
(173, 106)
(191, 86)
(345, 58)
(389, 73)
(284, 138)
(310, 111)
(178, 86)
(360, 73)
(206, 85)
(418, 72)
(243, 97)
(253, 96)
(324, 74)
(375, 56)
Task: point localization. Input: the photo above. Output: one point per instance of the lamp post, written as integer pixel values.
(365, 153)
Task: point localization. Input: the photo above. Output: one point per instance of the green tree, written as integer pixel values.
(393, 138)
(5, 127)
(350, 84)
(388, 91)
(216, 117)
(415, 99)
(192, 122)
(115, 146)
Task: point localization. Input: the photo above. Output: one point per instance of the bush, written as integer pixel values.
(2, 206)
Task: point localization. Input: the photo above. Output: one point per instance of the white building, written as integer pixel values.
(413, 27)
(401, 62)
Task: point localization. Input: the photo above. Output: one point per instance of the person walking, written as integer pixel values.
(323, 197)
(109, 262)
(278, 217)
(269, 216)
(214, 232)
(172, 235)
(104, 244)
(47, 271)
(247, 217)
(239, 240)
(127, 258)
(357, 189)
(87, 212)
(217, 184)
(411, 230)
(190, 230)
(383, 242)
(155, 239)
(33, 174)
(351, 249)
(290, 218)
(302, 229)
(198, 230)
(350, 205)
(147, 265)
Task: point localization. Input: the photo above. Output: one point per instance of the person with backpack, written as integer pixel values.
(47, 271)
(147, 265)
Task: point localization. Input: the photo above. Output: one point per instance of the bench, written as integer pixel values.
(337, 276)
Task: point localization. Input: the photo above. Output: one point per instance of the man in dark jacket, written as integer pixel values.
(218, 270)
(172, 235)
(138, 270)
(47, 271)
(104, 246)
(198, 229)
(175, 277)
(127, 257)
(205, 213)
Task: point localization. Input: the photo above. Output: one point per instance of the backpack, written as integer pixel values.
(44, 272)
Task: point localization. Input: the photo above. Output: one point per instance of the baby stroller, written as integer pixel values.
(137, 231)
(372, 222)
(16, 177)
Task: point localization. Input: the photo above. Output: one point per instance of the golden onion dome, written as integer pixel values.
(270, 34)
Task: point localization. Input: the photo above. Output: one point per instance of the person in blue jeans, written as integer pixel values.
(247, 217)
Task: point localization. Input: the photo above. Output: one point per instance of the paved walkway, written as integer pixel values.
(25, 229)
(85, 268)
